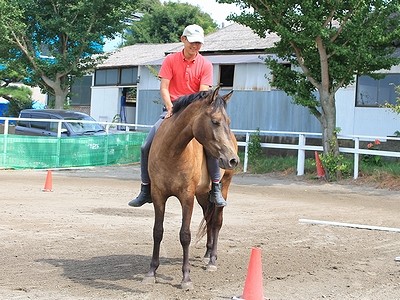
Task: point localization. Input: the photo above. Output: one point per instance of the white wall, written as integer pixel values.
(367, 121)
(37, 94)
(148, 80)
(252, 77)
(345, 107)
(375, 121)
(105, 103)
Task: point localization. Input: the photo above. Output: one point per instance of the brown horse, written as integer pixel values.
(177, 167)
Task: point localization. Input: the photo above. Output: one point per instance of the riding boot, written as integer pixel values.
(143, 197)
(216, 196)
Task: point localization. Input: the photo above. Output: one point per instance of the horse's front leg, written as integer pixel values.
(158, 231)
(185, 238)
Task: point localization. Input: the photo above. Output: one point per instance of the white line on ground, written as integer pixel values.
(359, 226)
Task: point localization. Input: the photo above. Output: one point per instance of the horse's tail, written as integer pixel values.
(202, 230)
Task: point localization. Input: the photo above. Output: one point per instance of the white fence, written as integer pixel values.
(301, 147)
(107, 125)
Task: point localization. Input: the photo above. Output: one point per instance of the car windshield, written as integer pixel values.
(83, 127)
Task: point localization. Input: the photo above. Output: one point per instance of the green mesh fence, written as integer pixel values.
(36, 152)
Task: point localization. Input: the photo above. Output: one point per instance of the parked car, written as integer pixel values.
(48, 128)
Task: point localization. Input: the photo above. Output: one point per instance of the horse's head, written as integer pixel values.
(212, 129)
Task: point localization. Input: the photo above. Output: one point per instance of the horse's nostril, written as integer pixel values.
(233, 162)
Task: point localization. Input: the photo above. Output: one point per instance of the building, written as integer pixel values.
(126, 87)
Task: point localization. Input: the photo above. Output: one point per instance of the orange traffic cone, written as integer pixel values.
(48, 185)
(253, 287)
(320, 168)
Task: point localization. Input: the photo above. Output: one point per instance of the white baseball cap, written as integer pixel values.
(194, 33)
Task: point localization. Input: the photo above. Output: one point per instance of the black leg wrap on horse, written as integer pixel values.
(143, 197)
(216, 195)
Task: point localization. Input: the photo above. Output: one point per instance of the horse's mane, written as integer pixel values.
(183, 101)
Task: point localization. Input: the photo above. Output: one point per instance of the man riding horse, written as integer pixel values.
(182, 73)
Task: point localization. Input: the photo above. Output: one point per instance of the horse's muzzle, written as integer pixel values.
(229, 163)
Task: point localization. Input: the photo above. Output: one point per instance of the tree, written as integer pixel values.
(58, 40)
(166, 22)
(11, 72)
(147, 6)
(19, 97)
(395, 107)
(327, 43)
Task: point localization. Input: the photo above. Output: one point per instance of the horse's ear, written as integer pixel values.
(214, 94)
(227, 97)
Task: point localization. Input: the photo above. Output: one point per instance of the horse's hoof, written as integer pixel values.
(206, 259)
(211, 268)
(149, 280)
(186, 286)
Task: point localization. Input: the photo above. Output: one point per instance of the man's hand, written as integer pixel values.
(169, 112)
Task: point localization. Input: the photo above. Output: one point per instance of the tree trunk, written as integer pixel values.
(60, 89)
(60, 97)
(329, 132)
(328, 122)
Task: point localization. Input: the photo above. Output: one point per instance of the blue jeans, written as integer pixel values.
(212, 163)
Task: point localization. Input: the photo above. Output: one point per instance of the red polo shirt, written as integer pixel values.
(186, 76)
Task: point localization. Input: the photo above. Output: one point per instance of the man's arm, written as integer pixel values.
(204, 87)
(165, 96)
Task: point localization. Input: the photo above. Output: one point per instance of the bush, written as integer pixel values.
(19, 97)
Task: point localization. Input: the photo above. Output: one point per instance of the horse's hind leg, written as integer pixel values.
(213, 229)
(214, 224)
(210, 212)
(158, 231)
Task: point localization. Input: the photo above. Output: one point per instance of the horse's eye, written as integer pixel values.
(215, 122)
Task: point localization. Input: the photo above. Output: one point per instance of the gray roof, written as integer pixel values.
(232, 38)
(236, 37)
(227, 59)
(136, 55)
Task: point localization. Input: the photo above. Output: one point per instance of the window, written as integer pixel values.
(23, 123)
(42, 125)
(376, 92)
(80, 91)
(39, 125)
(226, 73)
(53, 126)
(106, 77)
(129, 76)
(123, 76)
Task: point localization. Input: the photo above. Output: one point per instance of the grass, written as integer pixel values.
(385, 174)
(274, 164)
(391, 167)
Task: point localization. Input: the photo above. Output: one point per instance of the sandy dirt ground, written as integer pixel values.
(82, 240)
